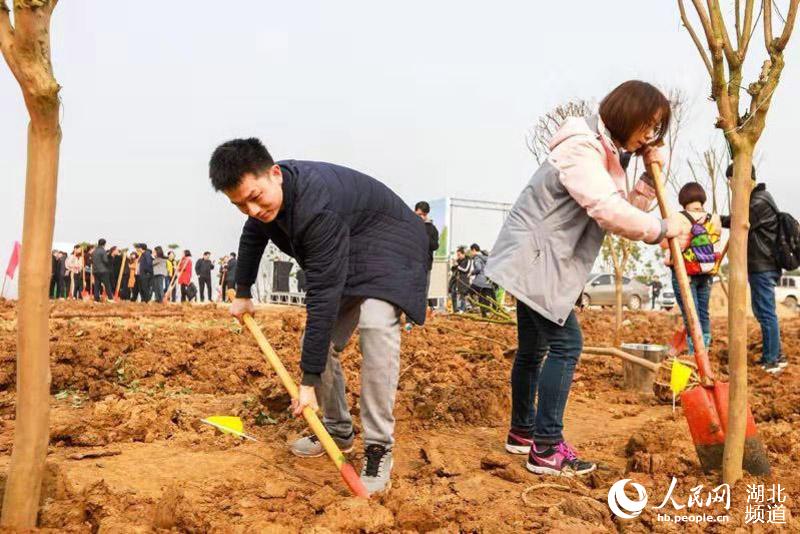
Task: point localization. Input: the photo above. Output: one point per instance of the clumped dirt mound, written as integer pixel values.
(130, 391)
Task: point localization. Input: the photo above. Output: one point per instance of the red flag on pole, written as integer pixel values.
(13, 261)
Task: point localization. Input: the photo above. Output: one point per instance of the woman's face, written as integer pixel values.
(644, 135)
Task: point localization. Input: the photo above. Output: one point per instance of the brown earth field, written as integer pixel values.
(128, 452)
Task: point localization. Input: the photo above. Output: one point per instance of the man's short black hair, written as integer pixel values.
(423, 206)
(206, 253)
(233, 254)
(729, 172)
(475, 246)
(235, 158)
(101, 242)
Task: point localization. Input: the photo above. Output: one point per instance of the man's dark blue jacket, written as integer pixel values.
(352, 236)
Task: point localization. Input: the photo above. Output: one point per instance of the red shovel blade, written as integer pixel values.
(353, 481)
(678, 344)
(706, 411)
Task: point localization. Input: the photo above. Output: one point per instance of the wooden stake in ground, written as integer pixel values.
(26, 49)
(723, 56)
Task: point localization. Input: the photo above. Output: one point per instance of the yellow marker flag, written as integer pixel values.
(678, 379)
(228, 424)
(680, 376)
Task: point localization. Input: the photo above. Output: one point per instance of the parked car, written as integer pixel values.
(666, 299)
(787, 291)
(600, 291)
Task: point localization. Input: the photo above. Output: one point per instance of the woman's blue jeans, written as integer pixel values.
(542, 374)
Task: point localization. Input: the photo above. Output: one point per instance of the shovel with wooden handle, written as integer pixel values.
(706, 406)
(349, 474)
(123, 253)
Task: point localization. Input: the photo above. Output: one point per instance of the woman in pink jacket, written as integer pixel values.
(548, 245)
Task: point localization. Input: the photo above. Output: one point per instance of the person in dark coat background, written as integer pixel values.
(145, 272)
(101, 267)
(763, 271)
(203, 269)
(422, 209)
(366, 259)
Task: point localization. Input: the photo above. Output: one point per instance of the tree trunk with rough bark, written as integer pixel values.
(26, 49)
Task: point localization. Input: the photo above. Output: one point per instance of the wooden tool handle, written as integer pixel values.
(692, 320)
(311, 418)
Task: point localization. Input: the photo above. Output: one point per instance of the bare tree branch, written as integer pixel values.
(721, 33)
(768, 24)
(539, 136)
(787, 28)
(706, 24)
(6, 34)
(747, 30)
(738, 24)
(693, 34)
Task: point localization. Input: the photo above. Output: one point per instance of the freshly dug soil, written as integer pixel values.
(129, 454)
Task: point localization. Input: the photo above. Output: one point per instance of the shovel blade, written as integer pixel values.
(706, 412)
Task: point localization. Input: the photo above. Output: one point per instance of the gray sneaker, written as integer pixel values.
(377, 468)
(310, 447)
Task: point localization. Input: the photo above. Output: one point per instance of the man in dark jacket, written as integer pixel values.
(230, 273)
(423, 209)
(655, 291)
(101, 267)
(203, 268)
(763, 271)
(365, 255)
(145, 272)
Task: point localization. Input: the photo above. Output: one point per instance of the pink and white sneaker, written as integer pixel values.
(518, 442)
(557, 460)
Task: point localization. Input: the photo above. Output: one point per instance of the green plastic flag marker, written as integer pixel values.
(679, 379)
(228, 425)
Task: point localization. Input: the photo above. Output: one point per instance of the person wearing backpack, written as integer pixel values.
(763, 271)
(701, 256)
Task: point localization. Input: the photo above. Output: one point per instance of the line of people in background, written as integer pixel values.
(93, 271)
(468, 280)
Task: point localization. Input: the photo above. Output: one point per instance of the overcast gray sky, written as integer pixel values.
(432, 98)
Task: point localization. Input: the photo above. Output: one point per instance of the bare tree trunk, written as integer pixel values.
(737, 302)
(26, 50)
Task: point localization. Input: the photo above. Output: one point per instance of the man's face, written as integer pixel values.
(206, 256)
(421, 214)
(260, 197)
